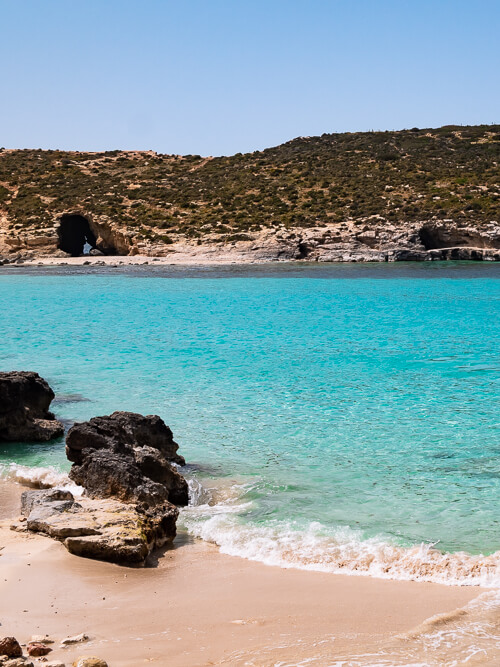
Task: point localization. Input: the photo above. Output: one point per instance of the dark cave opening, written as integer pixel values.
(75, 235)
(432, 238)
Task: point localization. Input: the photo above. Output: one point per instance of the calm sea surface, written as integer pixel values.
(337, 417)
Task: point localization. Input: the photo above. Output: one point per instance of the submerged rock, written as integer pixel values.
(25, 398)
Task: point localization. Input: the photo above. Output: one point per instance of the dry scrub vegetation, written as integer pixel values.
(418, 174)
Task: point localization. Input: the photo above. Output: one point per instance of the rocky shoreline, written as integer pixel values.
(125, 463)
(352, 241)
(127, 466)
(197, 605)
(39, 646)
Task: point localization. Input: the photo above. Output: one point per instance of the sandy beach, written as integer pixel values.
(196, 606)
(186, 256)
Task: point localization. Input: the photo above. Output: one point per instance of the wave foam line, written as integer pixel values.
(468, 635)
(341, 551)
(40, 478)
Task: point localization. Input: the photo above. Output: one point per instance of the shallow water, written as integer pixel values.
(351, 410)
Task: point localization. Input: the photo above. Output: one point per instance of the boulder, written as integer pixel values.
(129, 457)
(10, 647)
(103, 529)
(122, 429)
(126, 464)
(25, 398)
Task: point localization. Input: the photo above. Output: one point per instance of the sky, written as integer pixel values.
(216, 77)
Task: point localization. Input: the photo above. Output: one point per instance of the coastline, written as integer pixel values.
(196, 606)
(244, 254)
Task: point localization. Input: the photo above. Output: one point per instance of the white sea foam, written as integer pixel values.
(469, 635)
(340, 550)
(40, 478)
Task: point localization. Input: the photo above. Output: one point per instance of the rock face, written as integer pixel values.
(127, 456)
(25, 398)
(125, 462)
(102, 529)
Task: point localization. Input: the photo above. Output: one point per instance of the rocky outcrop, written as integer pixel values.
(102, 529)
(372, 239)
(335, 197)
(127, 456)
(376, 240)
(126, 463)
(25, 399)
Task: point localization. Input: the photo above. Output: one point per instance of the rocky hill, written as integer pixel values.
(412, 194)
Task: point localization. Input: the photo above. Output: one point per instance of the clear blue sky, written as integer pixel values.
(216, 77)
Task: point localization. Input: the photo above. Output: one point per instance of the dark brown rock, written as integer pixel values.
(10, 647)
(25, 398)
(109, 474)
(122, 428)
(127, 456)
(37, 649)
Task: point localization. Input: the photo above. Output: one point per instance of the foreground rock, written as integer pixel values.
(89, 662)
(10, 647)
(25, 398)
(38, 649)
(125, 462)
(102, 529)
(127, 456)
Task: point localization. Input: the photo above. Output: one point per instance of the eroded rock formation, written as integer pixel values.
(126, 463)
(102, 529)
(127, 456)
(25, 399)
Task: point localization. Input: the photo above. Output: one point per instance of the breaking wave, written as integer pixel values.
(39, 478)
(468, 635)
(218, 516)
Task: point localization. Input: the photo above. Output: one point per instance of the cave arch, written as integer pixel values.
(433, 238)
(74, 233)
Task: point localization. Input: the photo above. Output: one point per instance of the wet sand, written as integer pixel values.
(196, 606)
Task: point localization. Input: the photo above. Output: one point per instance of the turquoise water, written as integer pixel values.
(349, 410)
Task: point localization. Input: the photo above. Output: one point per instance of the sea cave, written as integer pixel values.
(75, 235)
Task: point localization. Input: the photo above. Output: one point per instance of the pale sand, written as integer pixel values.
(196, 606)
(203, 257)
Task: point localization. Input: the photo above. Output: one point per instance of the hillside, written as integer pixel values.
(363, 193)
